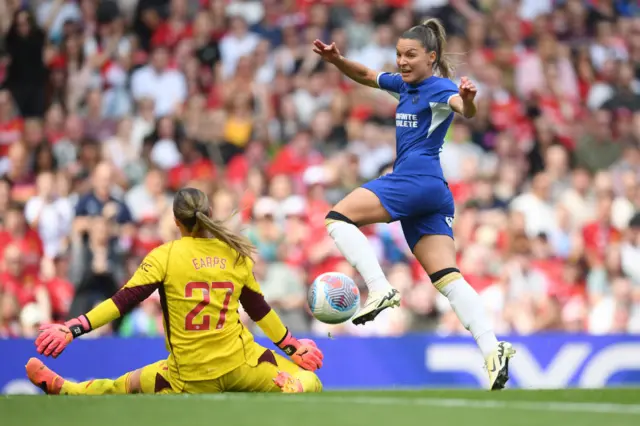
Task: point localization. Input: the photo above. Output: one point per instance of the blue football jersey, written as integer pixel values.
(423, 117)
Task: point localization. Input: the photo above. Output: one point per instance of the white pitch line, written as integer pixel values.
(572, 407)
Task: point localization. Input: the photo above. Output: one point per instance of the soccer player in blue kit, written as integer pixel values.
(416, 192)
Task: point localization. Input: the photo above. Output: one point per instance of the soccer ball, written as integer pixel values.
(333, 298)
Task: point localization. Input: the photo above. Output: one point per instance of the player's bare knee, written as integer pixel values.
(444, 277)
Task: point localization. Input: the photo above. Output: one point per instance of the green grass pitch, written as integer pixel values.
(617, 407)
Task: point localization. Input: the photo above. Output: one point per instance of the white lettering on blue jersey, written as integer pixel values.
(406, 120)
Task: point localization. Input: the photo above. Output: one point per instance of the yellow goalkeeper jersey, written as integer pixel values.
(201, 288)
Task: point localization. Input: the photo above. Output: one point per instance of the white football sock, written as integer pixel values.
(355, 247)
(466, 303)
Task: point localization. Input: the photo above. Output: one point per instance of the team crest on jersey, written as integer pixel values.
(415, 99)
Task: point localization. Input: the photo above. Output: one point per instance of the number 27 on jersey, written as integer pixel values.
(206, 289)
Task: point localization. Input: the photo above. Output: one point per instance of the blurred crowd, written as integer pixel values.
(107, 107)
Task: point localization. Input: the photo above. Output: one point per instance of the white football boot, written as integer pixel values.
(377, 301)
(498, 365)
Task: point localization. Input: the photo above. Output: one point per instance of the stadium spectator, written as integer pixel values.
(26, 240)
(11, 123)
(157, 81)
(61, 291)
(21, 285)
(26, 73)
(50, 214)
(100, 202)
(149, 199)
(238, 42)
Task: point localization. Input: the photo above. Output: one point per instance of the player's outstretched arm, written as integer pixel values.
(354, 70)
(464, 103)
(54, 338)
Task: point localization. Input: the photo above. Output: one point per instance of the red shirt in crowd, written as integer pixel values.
(61, 293)
(288, 162)
(295, 256)
(10, 132)
(144, 242)
(597, 237)
(551, 268)
(508, 113)
(170, 35)
(180, 175)
(561, 113)
(461, 191)
(565, 291)
(505, 111)
(316, 212)
(30, 246)
(22, 288)
(328, 264)
(479, 282)
(237, 170)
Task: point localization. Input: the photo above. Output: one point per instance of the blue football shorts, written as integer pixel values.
(423, 204)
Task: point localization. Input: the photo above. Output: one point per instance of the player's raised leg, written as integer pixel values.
(436, 253)
(362, 207)
(53, 384)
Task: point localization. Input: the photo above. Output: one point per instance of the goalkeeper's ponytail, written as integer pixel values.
(217, 229)
(191, 209)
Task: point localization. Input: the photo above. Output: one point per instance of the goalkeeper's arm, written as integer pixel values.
(53, 338)
(125, 299)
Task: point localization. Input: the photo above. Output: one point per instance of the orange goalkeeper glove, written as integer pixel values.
(53, 338)
(303, 352)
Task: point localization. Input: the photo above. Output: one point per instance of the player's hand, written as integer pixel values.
(54, 338)
(308, 356)
(328, 52)
(303, 352)
(467, 89)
